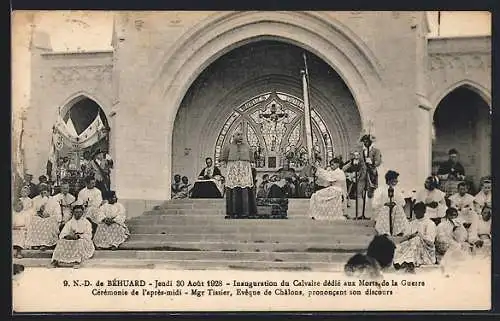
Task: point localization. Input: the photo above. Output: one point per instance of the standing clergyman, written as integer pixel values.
(240, 197)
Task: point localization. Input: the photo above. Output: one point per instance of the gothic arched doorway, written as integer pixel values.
(80, 134)
(243, 87)
(462, 120)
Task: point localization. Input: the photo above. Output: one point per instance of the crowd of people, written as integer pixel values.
(73, 225)
(443, 216)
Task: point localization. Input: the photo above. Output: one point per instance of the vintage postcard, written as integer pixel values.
(251, 161)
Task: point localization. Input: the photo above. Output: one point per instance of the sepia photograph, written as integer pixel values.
(251, 160)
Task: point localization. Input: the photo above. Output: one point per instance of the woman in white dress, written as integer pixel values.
(43, 228)
(433, 198)
(111, 229)
(75, 241)
(381, 208)
(330, 203)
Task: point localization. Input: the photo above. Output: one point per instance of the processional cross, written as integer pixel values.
(274, 116)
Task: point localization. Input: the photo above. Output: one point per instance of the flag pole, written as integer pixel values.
(307, 111)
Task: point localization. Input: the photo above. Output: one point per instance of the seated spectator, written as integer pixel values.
(91, 199)
(483, 198)
(19, 222)
(451, 234)
(25, 199)
(33, 188)
(44, 180)
(210, 171)
(464, 203)
(263, 188)
(452, 169)
(176, 187)
(75, 241)
(433, 198)
(209, 183)
(185, 187)
(417, 247)
(330, 203)
(65, 201)
(111, 229)
(484, 224)
(43, 227)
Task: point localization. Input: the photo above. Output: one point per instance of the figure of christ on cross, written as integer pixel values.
(273, 116)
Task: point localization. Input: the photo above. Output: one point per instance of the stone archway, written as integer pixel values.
(462, 120)
(241, 85)
(326, 38)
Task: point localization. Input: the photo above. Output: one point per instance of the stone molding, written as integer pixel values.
(70, 74)
(460, 61)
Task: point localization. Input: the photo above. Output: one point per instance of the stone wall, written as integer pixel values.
(57, 80)
(158, 56)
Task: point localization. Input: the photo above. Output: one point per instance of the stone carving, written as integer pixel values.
(70, 74)
(460, 61)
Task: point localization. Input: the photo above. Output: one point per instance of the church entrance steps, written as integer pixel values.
(193, 234)
(195, 264)
(298, 239)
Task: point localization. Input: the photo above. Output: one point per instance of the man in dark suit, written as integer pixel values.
(210, 171)
(452, 169)
(370, 160)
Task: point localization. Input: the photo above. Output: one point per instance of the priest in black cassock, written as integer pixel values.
(240, 195)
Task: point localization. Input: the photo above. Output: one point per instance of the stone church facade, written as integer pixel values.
(176, 85)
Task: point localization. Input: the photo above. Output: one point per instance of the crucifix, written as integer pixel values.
(274, 116)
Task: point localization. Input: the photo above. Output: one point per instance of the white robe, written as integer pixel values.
(466, 214)
(330, 203)
(115, 211)
(480, 200)
(427, 197)
(114, 234)
(81, 227)
(65, 201)
(93, 199)
(420, 249)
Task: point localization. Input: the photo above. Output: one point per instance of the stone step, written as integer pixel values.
(195, 265)
(222, 201)
(222, 228)
(164, 219)
(359, 246)
(208, 255)
(326, 239)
